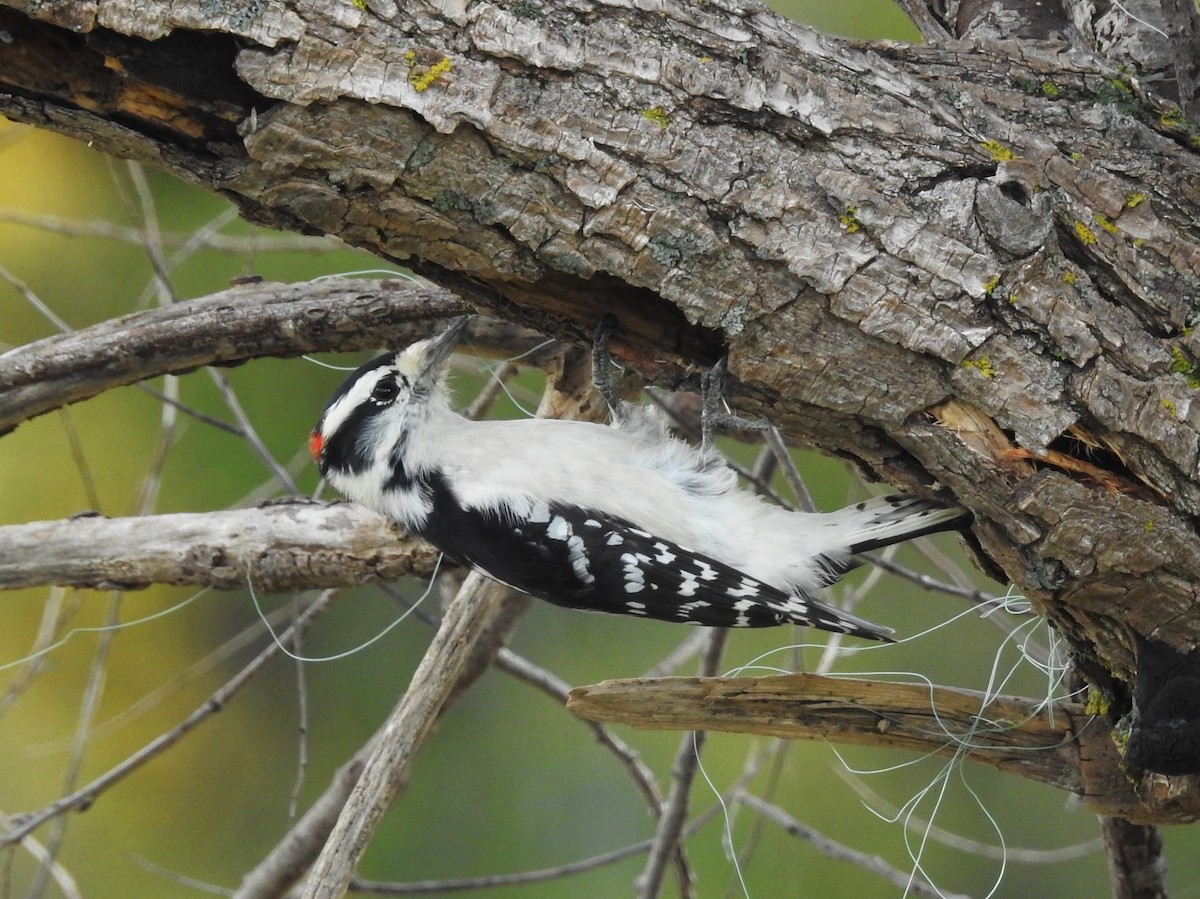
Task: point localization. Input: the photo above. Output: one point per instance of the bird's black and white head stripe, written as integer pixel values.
(338, 440)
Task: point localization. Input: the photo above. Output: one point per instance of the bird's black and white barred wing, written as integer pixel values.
(583, 559)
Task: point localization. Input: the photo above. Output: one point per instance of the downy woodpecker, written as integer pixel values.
(620, 518)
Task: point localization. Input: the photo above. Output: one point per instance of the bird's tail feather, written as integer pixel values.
(884, 520)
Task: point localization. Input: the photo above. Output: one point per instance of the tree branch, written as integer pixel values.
(908, 882)
(1058, 744)
(967, 215)
(467, 619)
(668, 833)
(1135, 863)
(294, 854)
(282, 546)
(959, 263)
(231, 327)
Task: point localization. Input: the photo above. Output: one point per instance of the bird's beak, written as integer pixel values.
(438, 349)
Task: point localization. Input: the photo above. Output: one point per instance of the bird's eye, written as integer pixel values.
(385, 392)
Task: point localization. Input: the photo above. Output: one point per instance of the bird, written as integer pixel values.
(621, 517)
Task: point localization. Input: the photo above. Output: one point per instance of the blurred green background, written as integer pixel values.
(510, 782)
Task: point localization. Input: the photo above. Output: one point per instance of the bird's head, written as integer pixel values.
(381, 403)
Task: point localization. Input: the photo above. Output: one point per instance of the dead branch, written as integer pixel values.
(1057, 744)
(246, 322)
(1135, 861)
(277, 547)
(467, 619)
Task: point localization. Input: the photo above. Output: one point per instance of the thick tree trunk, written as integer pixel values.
(971, 268)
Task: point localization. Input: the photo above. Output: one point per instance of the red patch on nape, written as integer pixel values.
(315, 444)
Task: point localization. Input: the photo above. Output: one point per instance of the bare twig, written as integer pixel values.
(179, 679)
(667, 837)
(55, 611)
(88, 708)
(467, 620)
(33, 299)
(427, 887)
(554, 686)
(249, 433)
(292, 855)
(160, 284)
(917, 824)
(189, 411)
(431, 887)
(686, 650)
(491, 389)
(979, 597)
(783, 457)
(269, 242)
(417, 888)
(930, 27)
(23, 825)
(833, 849)
(175, 877)
(61, 876)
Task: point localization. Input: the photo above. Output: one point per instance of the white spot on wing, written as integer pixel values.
(577, 552)
(635, 578)
(559, 528)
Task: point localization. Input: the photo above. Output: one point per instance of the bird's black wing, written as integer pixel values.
(584, 559)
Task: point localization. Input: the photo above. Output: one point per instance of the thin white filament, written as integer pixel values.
(354, 650)
(727, 829)
(100, 629)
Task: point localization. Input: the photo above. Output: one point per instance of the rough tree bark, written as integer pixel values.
(970, 267)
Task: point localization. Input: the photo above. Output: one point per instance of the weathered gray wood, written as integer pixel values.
(273, 548)
(1061, 744)
(246, 322)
